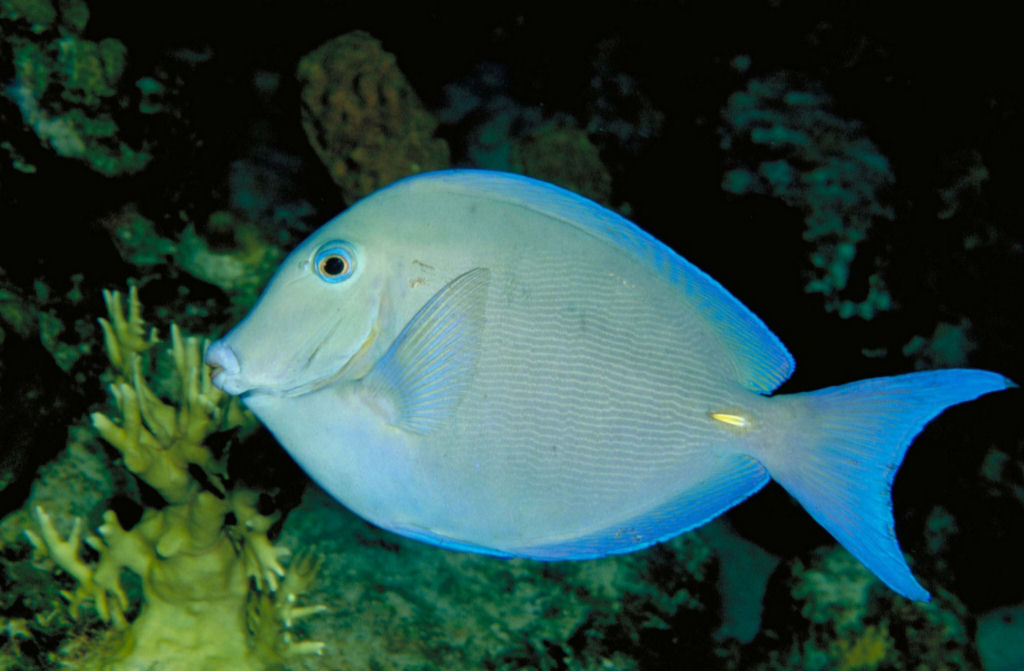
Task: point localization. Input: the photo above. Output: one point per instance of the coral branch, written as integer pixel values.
(99, 584)
(204, 557)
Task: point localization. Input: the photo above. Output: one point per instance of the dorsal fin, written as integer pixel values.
(759, 358)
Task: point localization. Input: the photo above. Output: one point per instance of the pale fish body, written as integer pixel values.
(491, 363)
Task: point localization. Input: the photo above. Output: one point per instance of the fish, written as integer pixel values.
(491, 363)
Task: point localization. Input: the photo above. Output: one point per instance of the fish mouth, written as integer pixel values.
(226, 370)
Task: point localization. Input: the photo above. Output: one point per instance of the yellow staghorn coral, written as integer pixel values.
(215, 594)
(158, 440)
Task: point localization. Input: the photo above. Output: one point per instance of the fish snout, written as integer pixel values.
(225, 371)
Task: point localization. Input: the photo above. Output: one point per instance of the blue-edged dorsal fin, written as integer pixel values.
(759, 358)
(426, 369)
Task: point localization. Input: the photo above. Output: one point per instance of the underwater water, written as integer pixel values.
(848, 175)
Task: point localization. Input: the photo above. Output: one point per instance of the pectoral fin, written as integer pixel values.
(426, 370)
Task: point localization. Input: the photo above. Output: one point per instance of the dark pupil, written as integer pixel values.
(333, 265)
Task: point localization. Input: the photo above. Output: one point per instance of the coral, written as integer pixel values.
(619, 108)
(545, 138)
(501, 133)
(832, 614)
(241, 271)
(241, 268)
(214, 593)
(491, 122)
(821, 164)
(136, 238)
(564, 156)
(834, 591)
(412, 606)
(16, 312)
(363, 118)
(37, 13)
(865, 652)
(67, 87)
(949, 346)
(37, 316)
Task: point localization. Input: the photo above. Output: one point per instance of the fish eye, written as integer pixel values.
(334, 262)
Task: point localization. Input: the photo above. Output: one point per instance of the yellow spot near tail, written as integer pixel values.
(732, 419)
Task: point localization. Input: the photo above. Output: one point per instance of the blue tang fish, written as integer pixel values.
(491, 363)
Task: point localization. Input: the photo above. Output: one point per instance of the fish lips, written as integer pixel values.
(225, 371)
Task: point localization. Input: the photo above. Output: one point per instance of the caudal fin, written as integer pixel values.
(853, 442)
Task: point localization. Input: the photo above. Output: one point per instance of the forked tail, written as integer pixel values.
(849, 451)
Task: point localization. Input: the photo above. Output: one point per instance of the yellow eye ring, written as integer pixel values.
(334, 263)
